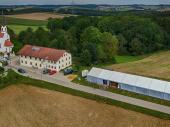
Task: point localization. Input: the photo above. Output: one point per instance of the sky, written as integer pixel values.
(63, 2)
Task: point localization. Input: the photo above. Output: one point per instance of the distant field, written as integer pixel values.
(39, 16)
(18, 28)
(26, 22)
(27, 106)
(156, 65)
(19, 25)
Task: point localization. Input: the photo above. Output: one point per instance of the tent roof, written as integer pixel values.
(129, 79)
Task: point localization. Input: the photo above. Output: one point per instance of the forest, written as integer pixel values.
(97, 39)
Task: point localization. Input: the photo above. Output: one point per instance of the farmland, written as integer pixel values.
(39, 16)
(23, 105)
(18, 25)
(156, 65)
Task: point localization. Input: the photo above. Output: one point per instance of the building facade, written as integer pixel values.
(44, 58)
(138, 84)
(6, 45)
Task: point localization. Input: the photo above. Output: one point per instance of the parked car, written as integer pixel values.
(20, 70)
(52, 72)
(68, 71)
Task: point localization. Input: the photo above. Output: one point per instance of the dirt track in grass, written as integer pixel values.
(26, 106)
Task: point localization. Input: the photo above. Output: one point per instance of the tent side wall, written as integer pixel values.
(95, 80)
(145, 91)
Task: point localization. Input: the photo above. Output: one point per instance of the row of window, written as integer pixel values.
(48, 60)
(49, 66)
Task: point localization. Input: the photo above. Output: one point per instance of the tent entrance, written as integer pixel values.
(113, 84)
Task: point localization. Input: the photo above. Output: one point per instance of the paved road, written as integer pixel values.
(118, 97)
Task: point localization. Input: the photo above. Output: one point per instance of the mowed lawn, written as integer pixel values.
(156, 65)
(27, 106)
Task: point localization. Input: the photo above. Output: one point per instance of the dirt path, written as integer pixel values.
(26, 106)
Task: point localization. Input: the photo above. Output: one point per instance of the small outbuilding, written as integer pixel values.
(138, 84)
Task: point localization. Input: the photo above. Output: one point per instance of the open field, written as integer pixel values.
(156, 65)
(39, 16)
(30, 106)
(18, 28)
(18, 25)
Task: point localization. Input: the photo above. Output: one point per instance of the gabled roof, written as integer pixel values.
(133, 80)
(42, 52)
(8, 43)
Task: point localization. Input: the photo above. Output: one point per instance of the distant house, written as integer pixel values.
(138, 84)
(44, 58)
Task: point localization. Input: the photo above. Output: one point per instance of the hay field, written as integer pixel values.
(39, 16)
(156, 65)
(26, 106)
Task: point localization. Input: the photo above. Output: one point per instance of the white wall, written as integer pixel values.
(61, 64)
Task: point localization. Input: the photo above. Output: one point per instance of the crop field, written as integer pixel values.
(19, 28)
(39, 16)
(18, 25)
(156, 65)
(26, 106)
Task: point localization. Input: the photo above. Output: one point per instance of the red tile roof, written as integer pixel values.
(1, 35)
(41, 52)
(8, 43)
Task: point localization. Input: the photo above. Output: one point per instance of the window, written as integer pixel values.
(40, 65)
(105, 82)
(36, 64)
(30, 57)
(30, 63)
(59, 67)
(22, 61)
(25, 62)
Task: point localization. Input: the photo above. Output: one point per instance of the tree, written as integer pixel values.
(85, 58)
(42, 37)
(91, 35)
(136, 47)
(122, 45)
(110, 45)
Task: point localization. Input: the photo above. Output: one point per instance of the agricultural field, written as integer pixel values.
(18, 25)
(156, 66)
(18, 28)
(39, 16)
(26, 106)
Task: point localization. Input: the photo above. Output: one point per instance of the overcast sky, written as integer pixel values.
(55, 2)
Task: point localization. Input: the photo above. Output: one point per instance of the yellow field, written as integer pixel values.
(156, 65)
(26, 106)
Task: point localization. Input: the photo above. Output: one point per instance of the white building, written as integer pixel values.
(44, 58)
(138, 84)
(5, 44)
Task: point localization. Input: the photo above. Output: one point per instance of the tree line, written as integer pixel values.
(98, 39)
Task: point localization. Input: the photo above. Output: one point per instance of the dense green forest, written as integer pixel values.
(98, 39)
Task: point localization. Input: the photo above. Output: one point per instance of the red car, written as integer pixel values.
(52, 72)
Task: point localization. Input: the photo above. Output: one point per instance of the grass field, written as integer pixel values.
(156, 65)
(18, 28)
(28, 106)
(126, 59)
(18, 25)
